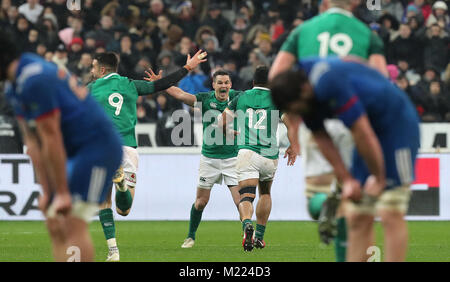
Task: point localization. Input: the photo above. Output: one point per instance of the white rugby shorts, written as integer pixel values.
(252, 165)
(130, 162)
(314, 162)
(215, 171)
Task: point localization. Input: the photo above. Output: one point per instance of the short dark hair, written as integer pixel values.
(286, 87)
(220, 72)
(108, 60)
(261, 75)
(8, 52)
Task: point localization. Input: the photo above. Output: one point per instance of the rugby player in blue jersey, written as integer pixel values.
(73, 145)
(385, 128)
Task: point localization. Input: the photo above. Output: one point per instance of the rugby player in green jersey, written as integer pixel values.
(118, 96)
(218, 160)
(335, 32)
(257, 159)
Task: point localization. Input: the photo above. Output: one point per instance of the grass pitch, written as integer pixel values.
(217, 241)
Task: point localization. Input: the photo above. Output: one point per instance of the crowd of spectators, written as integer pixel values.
(237, 34)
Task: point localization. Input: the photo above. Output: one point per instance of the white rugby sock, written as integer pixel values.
(112, 245)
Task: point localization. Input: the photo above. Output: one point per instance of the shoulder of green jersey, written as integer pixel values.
(336, 10)
(317, 71)
(261, 88)
(110, 75)
(200, 94)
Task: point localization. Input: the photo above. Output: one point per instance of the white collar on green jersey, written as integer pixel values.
(262, 88)
(337, 10)
(109, 75)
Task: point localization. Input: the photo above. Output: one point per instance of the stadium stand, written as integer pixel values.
(238, 35)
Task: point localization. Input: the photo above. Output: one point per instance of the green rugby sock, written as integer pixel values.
(107, 221)
(260, 229)
(245, 222)
(124, 200)
(340, 242)
(194, 221)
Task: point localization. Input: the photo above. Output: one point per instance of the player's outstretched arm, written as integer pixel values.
(182, 96)
(156, 83)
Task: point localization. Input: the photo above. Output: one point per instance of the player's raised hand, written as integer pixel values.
(351, 189)
(197, 59)
(292, 122)
(151, 76)
(292, 154)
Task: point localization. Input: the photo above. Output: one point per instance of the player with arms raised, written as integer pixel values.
(218, 160)
(118, 96)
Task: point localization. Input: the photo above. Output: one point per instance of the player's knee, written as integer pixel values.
(200, 204)
(359, 222)
(391, 219)
(56, 231)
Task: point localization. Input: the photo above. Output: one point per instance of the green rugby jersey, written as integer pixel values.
(118, 96)
(215, 147)
(334, 32)
(257, 122)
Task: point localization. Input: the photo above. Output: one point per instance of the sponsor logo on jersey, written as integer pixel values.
(213, 105)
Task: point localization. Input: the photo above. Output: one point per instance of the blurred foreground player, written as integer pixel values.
(335, 32)
(385, 129)
(118, 96)
(73, 145)
(257, 159)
